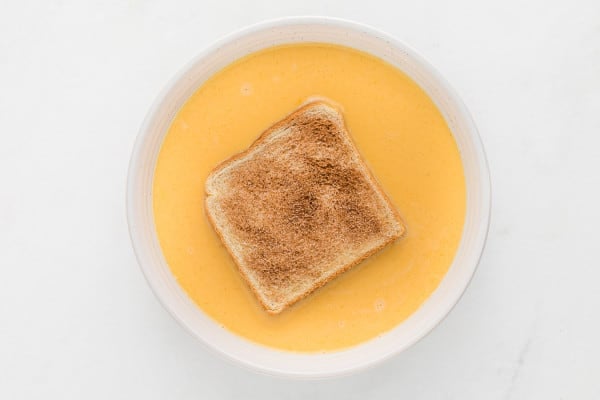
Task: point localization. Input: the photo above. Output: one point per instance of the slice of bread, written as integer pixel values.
(299, 207)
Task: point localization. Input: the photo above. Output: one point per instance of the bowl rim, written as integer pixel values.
(137, 157)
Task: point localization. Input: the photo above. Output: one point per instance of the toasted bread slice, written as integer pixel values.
(299, 207)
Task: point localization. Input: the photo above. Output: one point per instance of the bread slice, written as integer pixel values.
(299, 207)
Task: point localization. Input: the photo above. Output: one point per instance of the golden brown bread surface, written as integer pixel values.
(299, 207)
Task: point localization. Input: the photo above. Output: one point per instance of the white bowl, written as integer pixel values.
(172, 296)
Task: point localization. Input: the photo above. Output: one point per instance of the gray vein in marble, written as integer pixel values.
(523, 352)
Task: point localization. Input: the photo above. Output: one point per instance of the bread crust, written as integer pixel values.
(276, 307)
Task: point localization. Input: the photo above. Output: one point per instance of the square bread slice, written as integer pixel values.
(299, 207)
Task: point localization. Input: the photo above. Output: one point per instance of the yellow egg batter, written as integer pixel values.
(401, 135)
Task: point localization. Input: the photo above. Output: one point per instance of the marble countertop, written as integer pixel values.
(79, 321)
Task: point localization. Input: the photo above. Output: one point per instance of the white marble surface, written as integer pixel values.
(77, 319)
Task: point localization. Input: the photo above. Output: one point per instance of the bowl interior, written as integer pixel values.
(175, 300)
